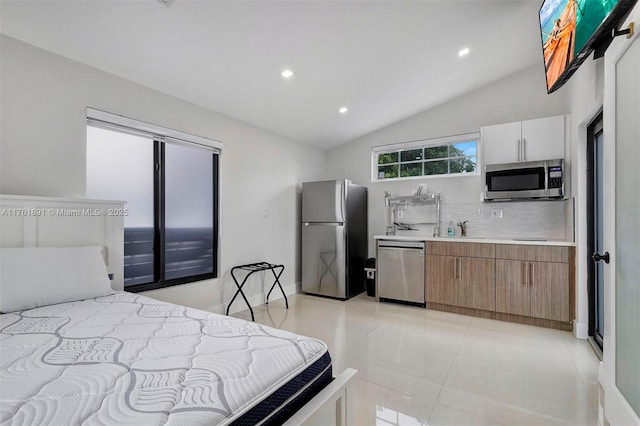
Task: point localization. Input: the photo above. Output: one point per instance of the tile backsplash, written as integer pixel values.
(549, 220)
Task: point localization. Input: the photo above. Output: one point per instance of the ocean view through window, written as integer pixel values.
(171, 190)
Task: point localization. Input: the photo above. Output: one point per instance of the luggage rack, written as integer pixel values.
(252, 268)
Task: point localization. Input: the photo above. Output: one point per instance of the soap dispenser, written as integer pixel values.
(451, 230)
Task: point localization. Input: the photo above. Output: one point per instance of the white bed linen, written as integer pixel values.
(127, 359)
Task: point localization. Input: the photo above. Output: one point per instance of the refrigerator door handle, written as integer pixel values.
(343, 198)
(323, 223)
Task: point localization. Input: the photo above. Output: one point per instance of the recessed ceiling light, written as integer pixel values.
(286, 74)
(463, 52)
(343, 110)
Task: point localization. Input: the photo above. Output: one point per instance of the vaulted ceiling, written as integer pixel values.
(383, 60)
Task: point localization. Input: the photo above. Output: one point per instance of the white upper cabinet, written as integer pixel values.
(530, 140)
(501, 143)
(543, 138)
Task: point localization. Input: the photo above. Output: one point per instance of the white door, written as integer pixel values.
(620, 373)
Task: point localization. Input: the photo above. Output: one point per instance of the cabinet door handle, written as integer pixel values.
(524, 149)
(455, 268)
(519, 149)
(525, 274)
(532, 273)
(460, 268)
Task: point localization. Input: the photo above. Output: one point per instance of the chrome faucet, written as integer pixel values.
(463, 228)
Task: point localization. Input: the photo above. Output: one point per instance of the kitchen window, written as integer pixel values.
(449, 156)
(171, 188)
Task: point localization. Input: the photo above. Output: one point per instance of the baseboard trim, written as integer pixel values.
(580, 330)
(539, 322)
(218, 309)
(617, 410)
(260, 298)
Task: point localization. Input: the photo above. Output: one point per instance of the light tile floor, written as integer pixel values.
(424, 367)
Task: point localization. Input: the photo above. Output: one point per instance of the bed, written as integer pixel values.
(76, 350)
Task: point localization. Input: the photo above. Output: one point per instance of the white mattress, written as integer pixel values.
(127, 359)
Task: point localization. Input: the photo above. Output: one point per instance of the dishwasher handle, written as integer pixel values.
(416, 245)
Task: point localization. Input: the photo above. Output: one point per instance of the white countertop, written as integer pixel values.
(423, 237)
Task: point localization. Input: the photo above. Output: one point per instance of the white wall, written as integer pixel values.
(586, 87)
(521, 96)
(588, 95)
(586, 100)
(43, 148)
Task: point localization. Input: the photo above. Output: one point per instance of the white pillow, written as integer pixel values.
(39, 276)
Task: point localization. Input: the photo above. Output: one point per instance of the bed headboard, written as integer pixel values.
(28, 221)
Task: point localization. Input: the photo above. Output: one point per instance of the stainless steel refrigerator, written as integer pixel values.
(334, 238)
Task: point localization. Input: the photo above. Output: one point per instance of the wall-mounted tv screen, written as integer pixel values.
(571, 29)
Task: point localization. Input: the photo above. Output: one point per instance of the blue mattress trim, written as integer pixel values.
(270, 410)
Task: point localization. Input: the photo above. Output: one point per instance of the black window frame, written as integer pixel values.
(159, 243)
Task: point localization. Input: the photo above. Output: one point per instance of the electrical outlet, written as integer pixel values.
(400, 214)
(265, 213)
(479, 212)
(496, 213)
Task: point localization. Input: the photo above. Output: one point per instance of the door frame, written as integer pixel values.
(617, 409)
(591, 266)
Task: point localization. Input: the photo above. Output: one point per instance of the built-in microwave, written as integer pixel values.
(527, 180)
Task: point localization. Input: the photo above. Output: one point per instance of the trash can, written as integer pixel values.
(370, 276)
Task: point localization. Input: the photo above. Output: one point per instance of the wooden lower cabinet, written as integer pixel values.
(533, 289)
(477, 285)
(442, 280)
(461, 281)
(550, 291)
(521, 283)
(513, 295)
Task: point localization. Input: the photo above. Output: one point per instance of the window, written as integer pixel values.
(455, 155)
(171, 189)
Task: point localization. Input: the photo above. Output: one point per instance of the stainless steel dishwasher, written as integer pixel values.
(401, 271)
